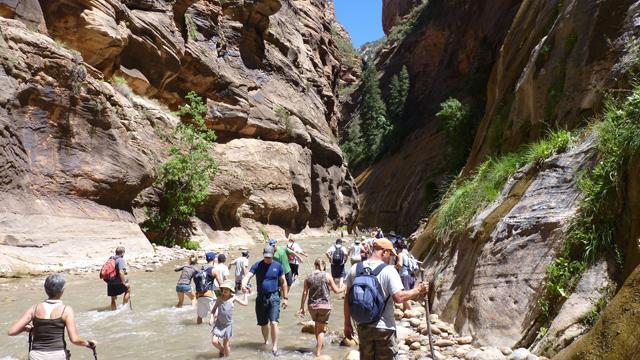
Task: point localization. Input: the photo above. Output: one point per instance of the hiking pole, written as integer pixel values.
(95, 354)
(425, 303)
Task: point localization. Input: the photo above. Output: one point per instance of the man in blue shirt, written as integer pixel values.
(271, 285)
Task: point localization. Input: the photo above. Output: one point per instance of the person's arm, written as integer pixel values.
(216, 275)
(246, 279)
(399, 261)
(332, 285)
(243, 301)
(179, 268)
(404, 295)
(284, 290)
(214, 310)
(305, 292)
(328, 254)
(70, 323)
(22, 325)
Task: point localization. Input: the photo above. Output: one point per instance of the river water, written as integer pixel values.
(155, 329)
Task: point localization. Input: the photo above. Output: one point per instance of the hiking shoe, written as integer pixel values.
(275, 352)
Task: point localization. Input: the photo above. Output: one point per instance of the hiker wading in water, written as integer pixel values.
(118, 284)
(269, 279)
(317, 286)
(223, 315)
(372, 310)
(48, 321)
(184, 281)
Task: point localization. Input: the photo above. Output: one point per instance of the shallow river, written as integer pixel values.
(155, 329)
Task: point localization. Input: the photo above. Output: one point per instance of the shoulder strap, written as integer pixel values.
(378, 269)
(63, 310)
(359, 268)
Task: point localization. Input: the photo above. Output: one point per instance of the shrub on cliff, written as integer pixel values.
(185, 177)
(374, 124)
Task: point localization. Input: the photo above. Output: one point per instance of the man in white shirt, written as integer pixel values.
(223, 270)
(378, 341)
(242, 268)
(294, 259)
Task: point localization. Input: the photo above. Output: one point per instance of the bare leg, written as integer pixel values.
(227, 347)
(192, 296)
(125, 298)
(216, 344)
(265, 333)
(180, 299)
(113, 302)
(319, 332)
(274, 335)
(199, 320)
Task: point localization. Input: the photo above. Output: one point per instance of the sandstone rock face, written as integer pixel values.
(268, 69)
(513, 240)
(394, 10)
(453, 43)
(615, 335)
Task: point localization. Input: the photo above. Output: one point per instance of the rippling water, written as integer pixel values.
(155, 329)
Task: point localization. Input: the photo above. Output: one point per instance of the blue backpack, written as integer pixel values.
(202, 279)
(366, 299)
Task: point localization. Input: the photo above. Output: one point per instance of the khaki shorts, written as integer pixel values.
(320, 316)
(205, 305)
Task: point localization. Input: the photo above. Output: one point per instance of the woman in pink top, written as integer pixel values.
(316, 286)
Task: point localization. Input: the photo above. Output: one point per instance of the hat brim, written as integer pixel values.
(267, 255)
(233, 291)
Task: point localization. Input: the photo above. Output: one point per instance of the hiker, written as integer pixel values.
(114, 272)
(242, 267)
(204, 280)
(45, 322)
(337, 255)
(223, 314)
(369, 308)
(316, 286)
(223, 271)
(406, 267)
(281, 255)
(269, 279)
(355, 251)
(184, 281)
(295, 260)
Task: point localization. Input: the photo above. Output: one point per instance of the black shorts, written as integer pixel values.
(116, 289)
(294, 269)
(337, 271)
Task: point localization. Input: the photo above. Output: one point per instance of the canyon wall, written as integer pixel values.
(85, 118)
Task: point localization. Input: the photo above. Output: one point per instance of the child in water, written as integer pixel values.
(223, 312)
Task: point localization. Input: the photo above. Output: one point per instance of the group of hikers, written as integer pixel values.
(382, 272)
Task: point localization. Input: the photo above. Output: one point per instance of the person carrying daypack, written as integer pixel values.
(355, 251)
(114, 273)
(337, 255)
(370, 286)
(184, 281)
(204, 280)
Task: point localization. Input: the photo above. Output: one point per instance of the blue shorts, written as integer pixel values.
(182, 288)
(337, 271)
(267, 308)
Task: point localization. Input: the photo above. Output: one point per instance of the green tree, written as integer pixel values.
(185, 177)
(398, 93)
(457, 122)
(374, 124)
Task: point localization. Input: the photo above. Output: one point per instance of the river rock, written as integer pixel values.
(489, 353)
(308, 327)
(412, 339)
(519, 354)
(398, 314)
(352, 355)
(348, 342)
(464, 340)
(444, 342)
(410, 314)
(415, 346)
(506, 350)
(415, 322)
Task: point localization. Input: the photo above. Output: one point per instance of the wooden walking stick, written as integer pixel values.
(425, 303)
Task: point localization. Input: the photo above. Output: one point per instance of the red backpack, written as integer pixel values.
(108, 271)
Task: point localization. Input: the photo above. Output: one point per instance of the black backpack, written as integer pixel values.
(200, 279)
(337, 258)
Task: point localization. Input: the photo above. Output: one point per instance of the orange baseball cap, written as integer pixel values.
(385, 244)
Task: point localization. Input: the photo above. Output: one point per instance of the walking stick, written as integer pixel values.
(95, 355)
(425, 303)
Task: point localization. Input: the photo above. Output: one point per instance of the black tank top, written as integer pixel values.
(48, 334)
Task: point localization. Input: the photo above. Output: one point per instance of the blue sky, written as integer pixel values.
(361, 18)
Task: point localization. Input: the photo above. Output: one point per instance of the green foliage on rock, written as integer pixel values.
(398, 94)
(368, 130)
(457, 122)
(591, 231)
(185, 177)
(346, 52)
(466, 197)
(403, 28)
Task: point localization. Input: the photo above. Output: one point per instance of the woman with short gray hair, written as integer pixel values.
(46, 322)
